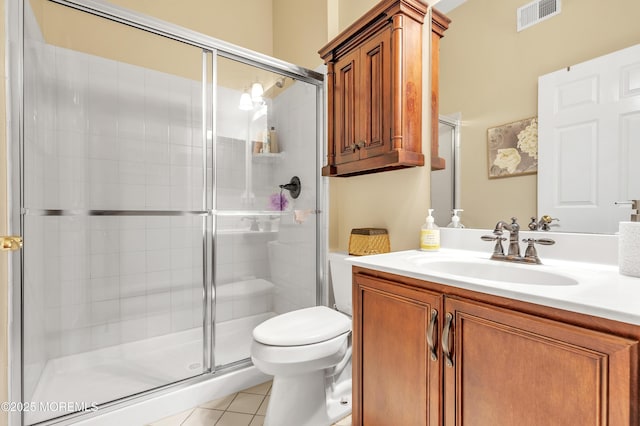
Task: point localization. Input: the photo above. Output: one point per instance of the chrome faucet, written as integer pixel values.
(513, 254)
(514, 235)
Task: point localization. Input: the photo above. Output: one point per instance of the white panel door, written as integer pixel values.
(589, 142)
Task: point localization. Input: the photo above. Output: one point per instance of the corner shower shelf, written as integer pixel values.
(269, 155)
(244, 231)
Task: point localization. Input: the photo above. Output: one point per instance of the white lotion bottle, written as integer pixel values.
(430, 235)
(455, 219)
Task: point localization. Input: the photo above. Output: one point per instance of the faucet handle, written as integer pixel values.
(498, 238)
(545, 222)
(531, 253)
(543, 241)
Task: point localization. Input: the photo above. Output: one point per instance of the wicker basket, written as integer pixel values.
(364, 241)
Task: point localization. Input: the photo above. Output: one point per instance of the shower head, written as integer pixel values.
(280, 82)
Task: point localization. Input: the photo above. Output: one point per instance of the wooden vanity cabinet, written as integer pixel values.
(511, 363)
(374, 91)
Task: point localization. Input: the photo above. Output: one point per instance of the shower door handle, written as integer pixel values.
(10, 243)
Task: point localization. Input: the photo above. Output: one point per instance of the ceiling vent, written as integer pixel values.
(537, 11)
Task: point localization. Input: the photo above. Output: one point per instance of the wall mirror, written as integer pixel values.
(489, 75)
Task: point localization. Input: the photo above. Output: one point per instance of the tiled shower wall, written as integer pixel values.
(295, 249)
(287, 255)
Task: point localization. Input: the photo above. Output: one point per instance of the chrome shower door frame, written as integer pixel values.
(212, 49)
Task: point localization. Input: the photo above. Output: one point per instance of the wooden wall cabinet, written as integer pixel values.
(374, 91)
(428, 354)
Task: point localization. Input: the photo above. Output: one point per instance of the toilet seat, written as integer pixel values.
(302, 327)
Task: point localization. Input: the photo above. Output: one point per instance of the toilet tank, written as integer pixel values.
(340, 271)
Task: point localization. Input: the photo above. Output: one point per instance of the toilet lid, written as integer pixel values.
(302, 327)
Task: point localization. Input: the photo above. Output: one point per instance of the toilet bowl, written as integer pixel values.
(308, 353)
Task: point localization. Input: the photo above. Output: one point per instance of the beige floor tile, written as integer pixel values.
(261, 389)
(175, 420)
(219, 404)
(246, 403)
(203, 417)
(263, 407)
(257, 421)
(234, 419)
(344, 422)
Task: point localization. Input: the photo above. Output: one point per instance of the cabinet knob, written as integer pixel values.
(359, 145)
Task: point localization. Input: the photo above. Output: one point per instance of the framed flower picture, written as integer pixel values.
(513, 148)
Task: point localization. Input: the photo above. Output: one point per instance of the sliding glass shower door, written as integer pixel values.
(167, 190)
(114, 211)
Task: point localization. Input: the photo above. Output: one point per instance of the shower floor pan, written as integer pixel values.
(107, 374)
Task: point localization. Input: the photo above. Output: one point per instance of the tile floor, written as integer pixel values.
(245, 408)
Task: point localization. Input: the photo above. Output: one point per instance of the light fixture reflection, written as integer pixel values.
(256, 92)
(246, 104)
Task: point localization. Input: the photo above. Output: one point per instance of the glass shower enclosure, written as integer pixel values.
(153, 182)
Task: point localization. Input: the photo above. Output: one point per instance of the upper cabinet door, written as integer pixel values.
(375, 99)
(346, 94)
(511, 368)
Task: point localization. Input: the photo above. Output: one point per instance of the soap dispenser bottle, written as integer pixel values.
(430, 235)
(455, 219)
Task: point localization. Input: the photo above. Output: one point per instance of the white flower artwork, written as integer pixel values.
(513, 148)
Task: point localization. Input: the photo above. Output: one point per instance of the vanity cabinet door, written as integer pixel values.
(395, 379)
(510, 368)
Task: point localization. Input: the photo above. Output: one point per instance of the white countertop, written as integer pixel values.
(600, 290)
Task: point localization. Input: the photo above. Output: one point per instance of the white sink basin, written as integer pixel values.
(497, 271)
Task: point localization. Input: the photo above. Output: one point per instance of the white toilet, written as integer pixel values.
(308, 353)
